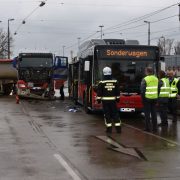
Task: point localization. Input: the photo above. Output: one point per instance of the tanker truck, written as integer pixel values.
(8, 76)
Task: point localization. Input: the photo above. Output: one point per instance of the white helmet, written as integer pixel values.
(107, 71)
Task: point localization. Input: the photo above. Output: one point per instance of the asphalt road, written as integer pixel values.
(43, 140)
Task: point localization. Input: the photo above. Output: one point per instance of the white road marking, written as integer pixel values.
(67, 167)
(173, 143)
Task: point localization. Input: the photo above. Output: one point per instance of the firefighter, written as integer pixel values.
(108, 93)
(149, 93)
(164, 91)
(174, 92)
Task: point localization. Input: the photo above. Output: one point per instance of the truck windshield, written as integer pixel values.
(128, 73)
(36, 62)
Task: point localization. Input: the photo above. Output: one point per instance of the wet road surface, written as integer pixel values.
(43, 140)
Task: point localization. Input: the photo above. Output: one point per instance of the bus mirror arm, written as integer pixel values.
(95, 87)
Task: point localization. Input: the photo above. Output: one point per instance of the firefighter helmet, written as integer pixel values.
(107, 71)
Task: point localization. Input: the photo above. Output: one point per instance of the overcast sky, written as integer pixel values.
(60, 23)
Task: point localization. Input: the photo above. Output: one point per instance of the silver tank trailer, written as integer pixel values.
(7, 71)
(8, 76)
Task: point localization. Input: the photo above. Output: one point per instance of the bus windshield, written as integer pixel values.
(128, 73)
(36, 62)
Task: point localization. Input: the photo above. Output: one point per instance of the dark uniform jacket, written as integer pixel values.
(108, 89)
(178, 84)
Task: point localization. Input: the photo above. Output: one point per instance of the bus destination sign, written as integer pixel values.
(122, 53)
(127, 53)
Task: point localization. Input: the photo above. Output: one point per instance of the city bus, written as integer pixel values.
(127, 62)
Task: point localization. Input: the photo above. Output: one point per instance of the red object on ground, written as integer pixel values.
(17, 99)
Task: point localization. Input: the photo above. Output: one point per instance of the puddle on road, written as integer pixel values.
(44, 117)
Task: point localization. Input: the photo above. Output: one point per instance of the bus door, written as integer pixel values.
(85, 79)
(75, 75)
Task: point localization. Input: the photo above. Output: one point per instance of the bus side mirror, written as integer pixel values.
(87, 66)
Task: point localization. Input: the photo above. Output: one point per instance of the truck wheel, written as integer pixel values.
(51, 95)
(7, 88)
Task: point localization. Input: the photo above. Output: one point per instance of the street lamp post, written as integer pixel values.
(9, 38)
(149, 32)
(101, 26)
(63, 50)
(78, 41)
(179, 12)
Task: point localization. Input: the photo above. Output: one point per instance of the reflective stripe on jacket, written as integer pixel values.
(173, 88)
(108, 90)
(165, 89)
(151, 87)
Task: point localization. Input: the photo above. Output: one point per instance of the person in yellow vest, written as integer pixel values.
(174, 92)
(163, 91)
(149, 93)
(108, 93)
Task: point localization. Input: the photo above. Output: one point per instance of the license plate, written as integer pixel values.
(127, 109)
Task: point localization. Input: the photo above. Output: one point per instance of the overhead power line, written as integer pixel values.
(75, 44)
(169, 35)
(164, 18)
(134, 20)
(24, 20)
(133, 27)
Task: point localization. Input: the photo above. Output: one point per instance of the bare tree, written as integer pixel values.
(161, 45)
(177, 47)
(165, 45)
(4, 44)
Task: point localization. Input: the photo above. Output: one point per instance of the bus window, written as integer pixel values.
(128, 73)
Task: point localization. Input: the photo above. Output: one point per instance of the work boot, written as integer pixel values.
(174, 120)
(163, 124)
(109, 130)
(118, 129)
(147, 130)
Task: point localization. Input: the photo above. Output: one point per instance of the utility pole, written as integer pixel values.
(179, 12)
(149, 32)
(101, 26)
(9, 38)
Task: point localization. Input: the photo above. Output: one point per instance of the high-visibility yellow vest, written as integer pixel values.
(151, 87)
(173, 88)
(165, 89)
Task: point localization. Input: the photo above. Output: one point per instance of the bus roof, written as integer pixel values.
(35, 54)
